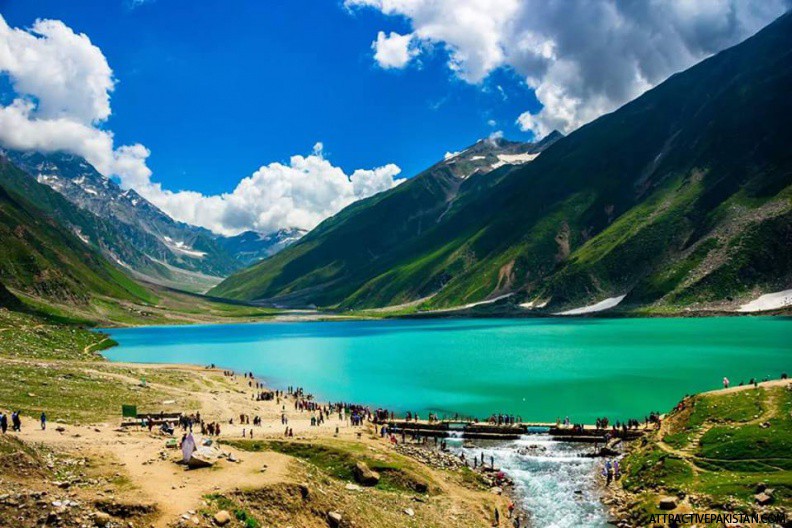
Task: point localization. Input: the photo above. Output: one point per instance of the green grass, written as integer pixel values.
(339, 461)
(71, 393)
(221, 502)
(760, 446)
(748, 441)
(653, 469)
(738, 407)
(26, 336)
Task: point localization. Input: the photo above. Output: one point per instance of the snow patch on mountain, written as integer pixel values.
(768, 301)
(182, 248)
(601, 306)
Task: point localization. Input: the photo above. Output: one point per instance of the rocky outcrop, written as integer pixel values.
(364, 475)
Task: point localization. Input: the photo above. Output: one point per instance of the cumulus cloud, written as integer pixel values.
(300, 193)
(582, 58)
(62, 83)
(394, 50)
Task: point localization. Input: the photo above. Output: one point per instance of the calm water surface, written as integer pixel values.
(539, 369)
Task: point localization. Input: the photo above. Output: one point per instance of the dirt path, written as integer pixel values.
(688, 452)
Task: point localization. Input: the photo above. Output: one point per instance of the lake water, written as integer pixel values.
(539, 369)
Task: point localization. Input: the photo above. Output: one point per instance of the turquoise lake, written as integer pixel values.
(539, 369)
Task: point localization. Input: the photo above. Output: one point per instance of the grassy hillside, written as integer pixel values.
(43, 259)
(680, 198)
(717, 453)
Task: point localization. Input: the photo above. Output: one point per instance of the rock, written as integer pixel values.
(409, 512)
(222, 518)
(305, 491)
(763, 499)
(365, 476)
(353, 487)
(334, 519)
(101, 519)
(667, 503)
(497, 490)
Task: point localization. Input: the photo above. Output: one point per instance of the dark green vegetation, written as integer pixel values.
(719, 450)
(43, 259)
(121, 225)
(48, 271)
(128, 229)
(681, 198)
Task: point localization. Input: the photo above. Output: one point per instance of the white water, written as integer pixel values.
(547, 474)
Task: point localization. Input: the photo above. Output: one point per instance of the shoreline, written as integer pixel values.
(331, 317)
(172, 386)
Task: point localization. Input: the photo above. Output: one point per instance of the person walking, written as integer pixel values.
(43, 421)
(3, 423)
(725, 382)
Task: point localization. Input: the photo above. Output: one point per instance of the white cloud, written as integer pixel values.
(48, 61)
(393, 51)
(582, 58)
(494, 137)
(300, 193)
(63, 84)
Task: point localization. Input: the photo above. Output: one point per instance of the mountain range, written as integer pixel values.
(132, 232)
(680, 199)
(44, 259)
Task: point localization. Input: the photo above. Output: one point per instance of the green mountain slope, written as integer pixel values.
(681, 197)
(42, 259)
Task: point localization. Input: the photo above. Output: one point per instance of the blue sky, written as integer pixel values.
(267, 114)
(216, 92)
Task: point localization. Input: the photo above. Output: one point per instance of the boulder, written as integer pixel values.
(305, 491)
(197, 462)
(421, 487)
(763, 499)
(667, 503)
(365, 476)
(101, 519)
(222, 518)
(334, 519)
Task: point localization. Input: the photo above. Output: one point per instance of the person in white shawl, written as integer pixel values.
(188, 447)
